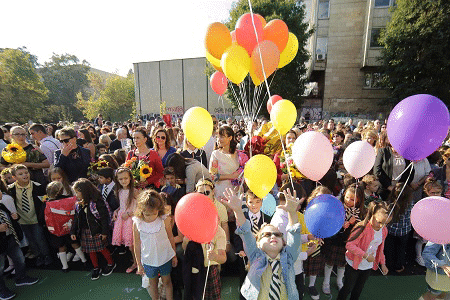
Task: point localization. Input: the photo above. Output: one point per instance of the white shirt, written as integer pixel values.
(209, 147)
(421, 168)
(48, 146)
(156, 249)
(372, 250)
(250, 216)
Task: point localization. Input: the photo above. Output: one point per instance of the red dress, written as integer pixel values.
(154, 162)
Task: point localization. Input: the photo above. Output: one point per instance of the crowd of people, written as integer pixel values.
(76, 195)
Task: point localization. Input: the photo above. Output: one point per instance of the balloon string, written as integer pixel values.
(259, 49)
(206, 280)
(445, 252)
(406, 169)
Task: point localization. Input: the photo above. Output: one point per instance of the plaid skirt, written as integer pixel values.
(314, 265)
(213, 285)
(335, 255)
(91, 243)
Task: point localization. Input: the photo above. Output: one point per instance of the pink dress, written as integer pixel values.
(123, 229)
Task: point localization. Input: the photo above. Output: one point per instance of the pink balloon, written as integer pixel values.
(313, 155)
(218, 82)
(430, 218)
(271, 102)
(359, 158)
(245, 32)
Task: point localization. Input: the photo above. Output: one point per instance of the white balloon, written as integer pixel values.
(359, 158)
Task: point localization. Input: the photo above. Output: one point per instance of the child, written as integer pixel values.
(10, 235)
(55, 191)
(371, 188)
(101, 149)
(365, 250)
(91, 224)
(28, 205)
(6, 176)
(437, 261)
(106, 187)
(334, 248)
(57, 174)
(123, 225)
(154, 246)
(171, 187)
(271, 259)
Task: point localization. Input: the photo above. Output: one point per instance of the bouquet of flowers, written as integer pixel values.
(95, 166)
(140, 170)
(14, 154)
(287, 161)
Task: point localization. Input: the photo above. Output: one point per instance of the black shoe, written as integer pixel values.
(6, 294)
(26, 281)
(313, 292)
(122, 250)
(65, 270)
(96, 274)
(40, 261)
(108, 270)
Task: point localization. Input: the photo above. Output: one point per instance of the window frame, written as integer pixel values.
(319, 17)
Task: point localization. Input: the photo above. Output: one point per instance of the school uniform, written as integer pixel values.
(109, 196)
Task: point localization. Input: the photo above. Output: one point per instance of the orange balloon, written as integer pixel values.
(214, 61)
(277, 32)
(261, 18)
(255, 79)
(218, 38)
(270, 58)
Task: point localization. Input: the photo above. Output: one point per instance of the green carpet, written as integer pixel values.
(77, 285)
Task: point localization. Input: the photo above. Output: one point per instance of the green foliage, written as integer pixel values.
(289, 81)
(22, 93)
(416, 54)
(65, 77)
(114, 98)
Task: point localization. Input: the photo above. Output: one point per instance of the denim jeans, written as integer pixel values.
(14, 252)
(36, 237)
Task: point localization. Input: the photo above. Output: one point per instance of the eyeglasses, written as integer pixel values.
(206, 193)
(65, 141)
(19, 134)
(160, 137)
(268, 234)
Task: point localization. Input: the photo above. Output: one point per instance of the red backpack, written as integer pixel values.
(59, 215)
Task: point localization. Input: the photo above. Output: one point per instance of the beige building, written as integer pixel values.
(344, 68)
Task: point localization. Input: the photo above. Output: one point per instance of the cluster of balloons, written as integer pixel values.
(254, 47)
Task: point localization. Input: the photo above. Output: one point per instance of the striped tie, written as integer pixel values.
(255, 228)
(4, 218)
(25, 201)
(105, 193)
(275, 284)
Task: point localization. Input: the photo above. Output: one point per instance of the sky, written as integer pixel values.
(111, 35)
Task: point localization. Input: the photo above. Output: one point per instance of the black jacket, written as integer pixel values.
(238, 244)
(76, 164)
(115, 145)
(38, 190)
(3, 243)
(111, 198)
(96, 227)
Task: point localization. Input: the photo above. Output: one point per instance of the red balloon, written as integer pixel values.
(245, 32)
(218, 82)
(271, 102)
(197, 218)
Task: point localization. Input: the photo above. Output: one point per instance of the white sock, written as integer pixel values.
(327, 274)
(312, 280)
(63, 258)
(81, 254)
(419, 244)
(340, 275)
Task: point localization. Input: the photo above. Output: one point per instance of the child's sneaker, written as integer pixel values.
(326, 289)
(6, 294)
(313, 293)
(96, 274)
(26, 281)
(108, 270)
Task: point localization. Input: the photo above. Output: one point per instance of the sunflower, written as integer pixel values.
(102, 164)
(14, 154)
(145, 172)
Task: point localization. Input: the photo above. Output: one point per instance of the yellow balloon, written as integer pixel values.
(254, 77)
(289, 52)
(260, 175)
(197, 126)
(214, 61)
(235, 63)
(283, 115)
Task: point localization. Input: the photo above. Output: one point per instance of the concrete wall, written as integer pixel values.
(181, 83)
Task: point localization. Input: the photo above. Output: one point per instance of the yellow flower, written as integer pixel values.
(145, 172)
(14, 154)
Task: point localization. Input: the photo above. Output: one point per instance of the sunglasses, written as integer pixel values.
(268, 234)
(65, 141)
(160, 137)
(206, 193)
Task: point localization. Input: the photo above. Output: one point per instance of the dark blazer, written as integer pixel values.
(238, 244)
(38, 190)
(115, 145)
(111, 198)
(96, 226)
(200, 155)
(76, 164)
(3, 243)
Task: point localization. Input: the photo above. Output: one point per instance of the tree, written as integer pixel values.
(64, 77)
(289, 82)
(114, 99)
(22, 93)
(415, 52)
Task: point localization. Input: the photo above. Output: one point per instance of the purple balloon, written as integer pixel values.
(417, 126)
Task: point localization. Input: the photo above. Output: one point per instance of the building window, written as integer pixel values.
(384, 3)
(321, 48)
(373, 80)
(324, 9)
(374, 36)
